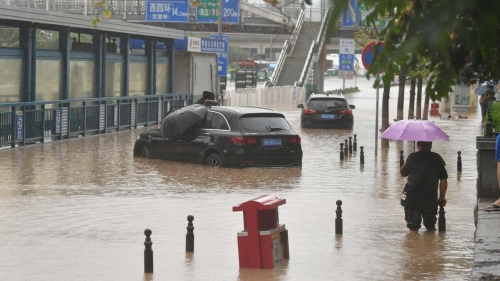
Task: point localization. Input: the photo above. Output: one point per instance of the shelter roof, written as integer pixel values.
(79, 21)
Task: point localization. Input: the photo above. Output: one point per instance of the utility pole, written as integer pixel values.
(219, 27)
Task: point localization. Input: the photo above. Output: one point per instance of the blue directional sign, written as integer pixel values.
(207, 11)
(346, 62)
(222, 56)
(212, 45)
(351, 15)
(163, 11)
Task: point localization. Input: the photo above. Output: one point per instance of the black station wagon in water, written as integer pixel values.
(228, 137)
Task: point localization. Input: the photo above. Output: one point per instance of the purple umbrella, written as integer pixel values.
(414, 130)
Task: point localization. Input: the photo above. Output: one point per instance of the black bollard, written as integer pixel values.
(350, 145)
(338, 219)
(488, 127)
(148, 252)
(362, 156)
(459, 162)
(190, 235)
(442, 219)
(346, 150)
(341, 151)
(354, 144)
(401, 159)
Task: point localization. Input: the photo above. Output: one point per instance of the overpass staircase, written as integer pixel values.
(300, 52)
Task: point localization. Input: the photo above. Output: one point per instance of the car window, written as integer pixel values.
(215, 120)
(326, 103)
(264, 123)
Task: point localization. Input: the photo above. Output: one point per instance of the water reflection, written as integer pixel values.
(423, 257)
(83, 204)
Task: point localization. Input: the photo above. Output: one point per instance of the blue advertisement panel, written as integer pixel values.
(19, 127)
(222, 56)
(162, 11)
(141, 44)
(58, 122)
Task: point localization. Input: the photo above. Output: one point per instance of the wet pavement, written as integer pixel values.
(77, 209)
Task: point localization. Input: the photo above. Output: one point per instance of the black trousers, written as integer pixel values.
(414, 217)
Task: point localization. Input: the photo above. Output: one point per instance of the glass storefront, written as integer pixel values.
(113, 79)
(48, 80)
(10, 80)
(81, 79)
(137, 79)
(161, 78)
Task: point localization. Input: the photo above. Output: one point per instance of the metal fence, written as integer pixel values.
(32, 122)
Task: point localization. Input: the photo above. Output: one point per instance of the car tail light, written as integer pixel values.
(309, 111)
(243, 141)
(248, 161)
(294, 140)
(346, 112)
(250, 140)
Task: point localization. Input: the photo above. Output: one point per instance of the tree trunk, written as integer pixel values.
(419, 97)
(401, 94)
(411, 106)
(426, 108)
(385, 112)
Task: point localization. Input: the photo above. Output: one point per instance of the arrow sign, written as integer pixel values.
(369, 54)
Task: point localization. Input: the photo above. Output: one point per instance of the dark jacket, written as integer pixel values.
(425, 168)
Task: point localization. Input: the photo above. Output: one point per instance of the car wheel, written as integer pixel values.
(214, 161)
(146, 151)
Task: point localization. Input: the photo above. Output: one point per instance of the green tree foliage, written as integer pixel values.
(456, 39)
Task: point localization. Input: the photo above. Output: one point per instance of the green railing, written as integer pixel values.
(32, 122)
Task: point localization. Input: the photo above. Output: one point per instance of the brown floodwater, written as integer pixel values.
(77, 209)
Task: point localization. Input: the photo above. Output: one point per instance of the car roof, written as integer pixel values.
(327, 95)
(240, 110)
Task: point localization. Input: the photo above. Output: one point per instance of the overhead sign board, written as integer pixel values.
(354, 14)
(208, 11)
(166, 11)
(369, 54)
(346, 59)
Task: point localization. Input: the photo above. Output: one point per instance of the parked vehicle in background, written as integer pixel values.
(228, 136)
(327, 109)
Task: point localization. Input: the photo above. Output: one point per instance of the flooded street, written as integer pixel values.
(77, 209)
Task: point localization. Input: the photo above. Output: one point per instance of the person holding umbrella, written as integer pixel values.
(426, 170)
(486, 98)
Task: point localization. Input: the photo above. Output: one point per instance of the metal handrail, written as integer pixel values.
(286, 50)
(279, 65)
(316, 47)
(307, 64)
(297, 29)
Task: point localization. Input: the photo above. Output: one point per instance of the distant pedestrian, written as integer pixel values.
(485, 99)
(426, 170)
